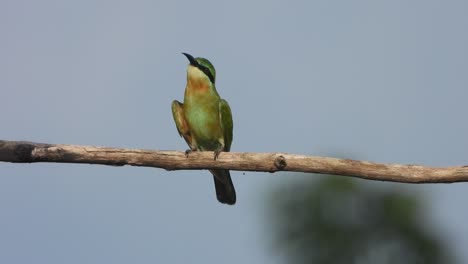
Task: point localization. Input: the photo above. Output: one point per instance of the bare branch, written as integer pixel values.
(28, 152)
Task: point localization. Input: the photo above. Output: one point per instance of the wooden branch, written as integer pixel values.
(28, 152)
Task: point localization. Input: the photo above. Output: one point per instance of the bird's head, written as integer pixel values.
(200, 69)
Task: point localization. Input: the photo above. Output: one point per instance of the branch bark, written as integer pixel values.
(29, 152)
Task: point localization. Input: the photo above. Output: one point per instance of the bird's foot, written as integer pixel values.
(216, 153)
(187, 152)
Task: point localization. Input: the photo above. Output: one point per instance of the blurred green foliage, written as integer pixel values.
(339, 220)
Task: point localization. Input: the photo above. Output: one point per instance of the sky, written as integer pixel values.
(384, 81)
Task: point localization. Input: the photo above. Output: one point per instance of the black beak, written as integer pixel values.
(192, 60)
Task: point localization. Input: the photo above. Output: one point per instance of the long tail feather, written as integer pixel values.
(225, 191)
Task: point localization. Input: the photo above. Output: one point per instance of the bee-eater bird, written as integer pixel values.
(204, 120)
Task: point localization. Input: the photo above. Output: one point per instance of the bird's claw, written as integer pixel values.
(187, 152)
(216, 154)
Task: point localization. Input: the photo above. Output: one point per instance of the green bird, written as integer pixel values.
(204, 120)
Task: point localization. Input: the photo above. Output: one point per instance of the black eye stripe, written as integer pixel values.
(207, 72)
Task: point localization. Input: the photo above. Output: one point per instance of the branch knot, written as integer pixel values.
(280, 162)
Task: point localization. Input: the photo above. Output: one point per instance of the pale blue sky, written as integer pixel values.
(385, 81)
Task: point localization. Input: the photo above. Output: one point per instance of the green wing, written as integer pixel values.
(181, 123)
(179, 119)
(225, 117)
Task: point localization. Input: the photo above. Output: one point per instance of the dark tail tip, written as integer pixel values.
(225, 192)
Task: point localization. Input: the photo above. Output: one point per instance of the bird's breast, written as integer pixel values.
(202, 115)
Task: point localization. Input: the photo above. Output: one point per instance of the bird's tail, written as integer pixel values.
(225, 191)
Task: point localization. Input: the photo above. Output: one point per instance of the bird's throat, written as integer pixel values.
(197, 81)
